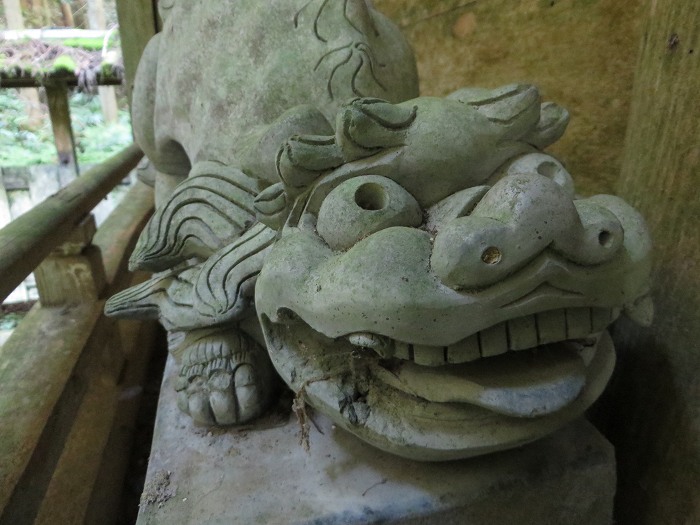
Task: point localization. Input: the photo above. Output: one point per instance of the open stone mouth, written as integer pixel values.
(525, 367)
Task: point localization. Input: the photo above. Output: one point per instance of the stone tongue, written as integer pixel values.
(523, 384)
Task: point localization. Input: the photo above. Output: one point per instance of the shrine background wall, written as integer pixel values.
(581, 53)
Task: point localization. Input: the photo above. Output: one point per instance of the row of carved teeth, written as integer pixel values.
(522, 333)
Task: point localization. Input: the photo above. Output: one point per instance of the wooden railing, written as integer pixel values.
(69, 377)
(27, 240)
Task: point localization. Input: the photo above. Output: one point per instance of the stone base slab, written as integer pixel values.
(261, 474)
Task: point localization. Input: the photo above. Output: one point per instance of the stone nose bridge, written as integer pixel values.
(519, 217)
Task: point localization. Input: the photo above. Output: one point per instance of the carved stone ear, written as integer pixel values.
(368, 125)
(303, 158)
(212, 293)
(551, 126)
(516, 107)
(258, 149)
(224, 287)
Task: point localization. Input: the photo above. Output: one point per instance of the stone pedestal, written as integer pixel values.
(262, 475)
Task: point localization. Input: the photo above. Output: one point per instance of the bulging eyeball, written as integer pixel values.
(362, 206)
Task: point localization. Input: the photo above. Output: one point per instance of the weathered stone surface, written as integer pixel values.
(263, 475)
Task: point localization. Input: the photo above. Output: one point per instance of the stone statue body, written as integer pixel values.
(415, 268)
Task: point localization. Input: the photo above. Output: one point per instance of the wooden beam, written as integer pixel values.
(655, 418)
(59, 111)
(31, 237)
(139, 341)
(33, 384)
(71, 380)
(68, 493)
(74, 272)
(51, 34)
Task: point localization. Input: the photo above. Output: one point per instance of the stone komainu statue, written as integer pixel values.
(417, 269)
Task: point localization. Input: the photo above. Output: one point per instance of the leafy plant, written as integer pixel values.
(95, 140)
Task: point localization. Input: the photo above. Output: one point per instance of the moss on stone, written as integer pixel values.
(64, 63)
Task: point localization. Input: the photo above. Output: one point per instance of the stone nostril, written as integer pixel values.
(491, 255)
(605, 239)
(548, 169)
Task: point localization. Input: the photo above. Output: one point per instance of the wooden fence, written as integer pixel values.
(70, 377)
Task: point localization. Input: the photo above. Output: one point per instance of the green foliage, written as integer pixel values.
(91, 44)
(95, 140)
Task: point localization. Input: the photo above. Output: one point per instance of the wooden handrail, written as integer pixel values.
(27, 240)
(23, 79)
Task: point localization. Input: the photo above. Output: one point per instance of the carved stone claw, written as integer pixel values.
(366, 126)
(224, 398)
(551, 126)
(303, 158)
(225, 379)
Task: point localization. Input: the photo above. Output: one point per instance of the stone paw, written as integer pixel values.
(226, 379)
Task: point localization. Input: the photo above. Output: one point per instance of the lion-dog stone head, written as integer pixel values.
(418, 270)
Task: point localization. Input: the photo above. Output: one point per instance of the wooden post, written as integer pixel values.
(67, 14)
(655, 421)
(74, 272)
(13, 15)
(137, 24)
(108, 97)
(59, 110)
(5, 216)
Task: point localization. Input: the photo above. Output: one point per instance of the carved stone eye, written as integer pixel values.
(364, 205)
